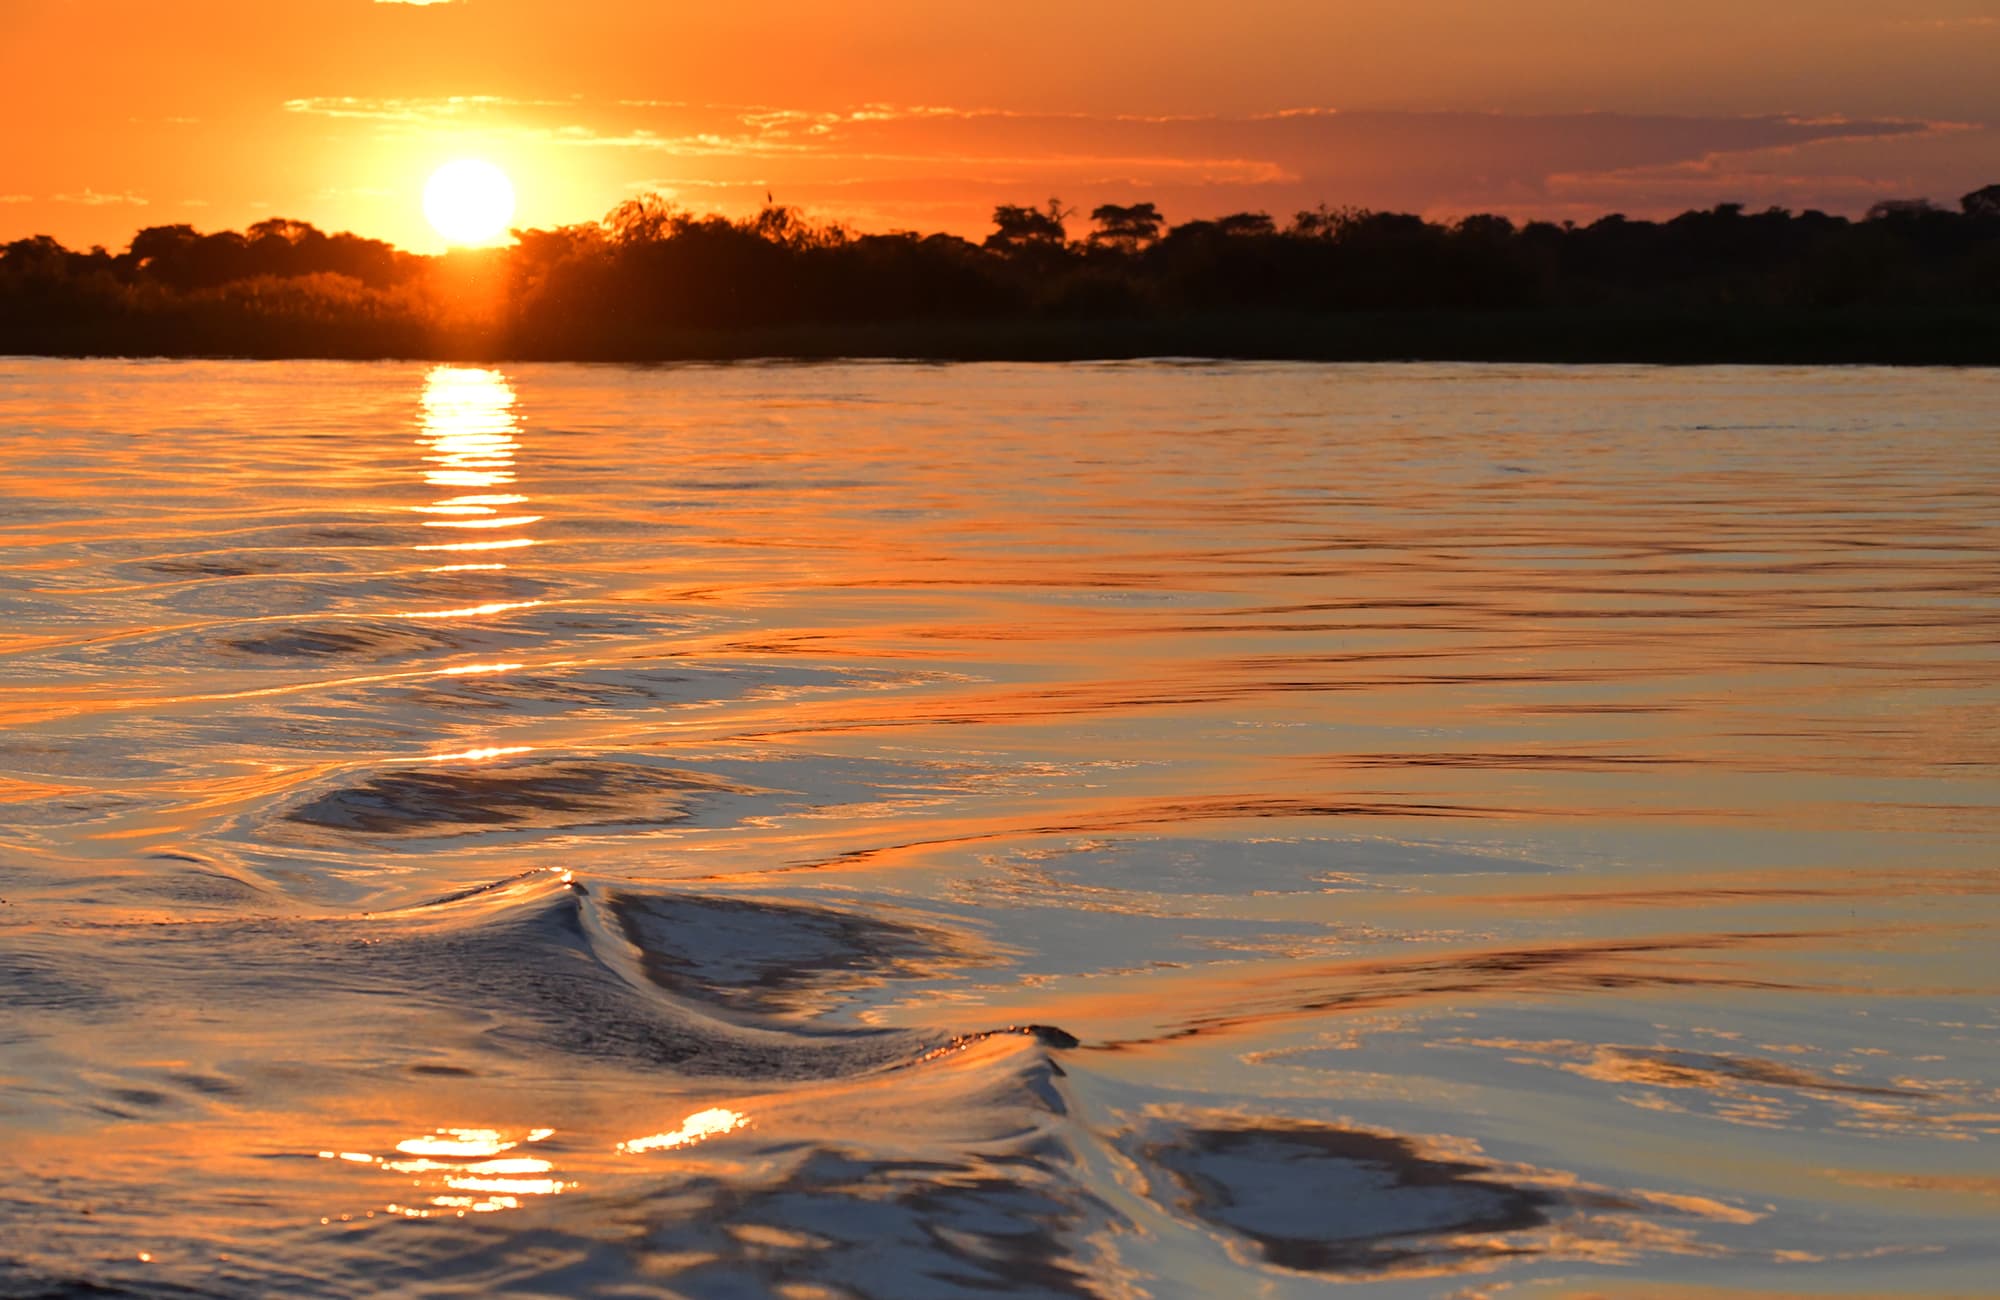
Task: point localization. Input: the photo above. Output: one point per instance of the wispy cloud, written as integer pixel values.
(416, 110)
(92, 199)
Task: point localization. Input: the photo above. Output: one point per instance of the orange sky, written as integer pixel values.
(924, 113)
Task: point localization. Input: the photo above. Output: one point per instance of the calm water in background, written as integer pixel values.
(572, 830)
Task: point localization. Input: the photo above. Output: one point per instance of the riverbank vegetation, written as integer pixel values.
(1911, 282)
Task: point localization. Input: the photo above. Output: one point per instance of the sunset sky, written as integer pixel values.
(925, 113)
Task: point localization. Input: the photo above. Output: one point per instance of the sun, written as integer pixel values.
(469, 201)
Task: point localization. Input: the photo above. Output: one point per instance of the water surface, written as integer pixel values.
(1102, 830)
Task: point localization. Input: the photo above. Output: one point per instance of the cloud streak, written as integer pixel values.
(891, 163)
(90, 198)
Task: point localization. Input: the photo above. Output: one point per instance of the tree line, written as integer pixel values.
(1909, 281)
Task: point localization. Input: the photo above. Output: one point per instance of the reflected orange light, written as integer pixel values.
(472, 611)
(701, 1125)
(457, 1142)
(475, 755)
(511, 521)
(475, 1204)
(522, 1186)
(502, 1165)
(468, 670)
(464, 478)
(468, 435)
(460, 1160)
(509, 544)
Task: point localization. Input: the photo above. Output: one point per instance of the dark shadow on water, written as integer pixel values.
(562, 793)
(1330, 1200)
(369, 640)
(771, 958)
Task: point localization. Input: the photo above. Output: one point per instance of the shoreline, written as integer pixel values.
(1927, 338)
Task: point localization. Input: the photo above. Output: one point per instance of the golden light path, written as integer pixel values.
(468, 440)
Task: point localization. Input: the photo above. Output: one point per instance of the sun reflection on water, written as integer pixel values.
(469, 429)
(511, 521)
(701, 1125)
(457, 1142)
(479, 755)
(448, 1163)
(468, 432)
(470, 670)
(473, 611)
(460, 1171)
(506, 544)
(476, 504)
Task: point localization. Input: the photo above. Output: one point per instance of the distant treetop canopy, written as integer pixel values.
(651, 272)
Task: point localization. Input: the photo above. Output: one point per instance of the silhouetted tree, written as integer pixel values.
(35, 255)
(647, 219)
(284, 230)
(1239, 225)
(790, 228)
(1486, 228)
(1325, 222)
(1127, 229)
(1894, 209)
(1022, 229)
(1982, 204)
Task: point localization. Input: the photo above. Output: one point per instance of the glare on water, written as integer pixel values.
(882, 830)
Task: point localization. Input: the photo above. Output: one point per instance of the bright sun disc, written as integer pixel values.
(469, 201)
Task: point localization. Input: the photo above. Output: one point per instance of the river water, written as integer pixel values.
(922, 831)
